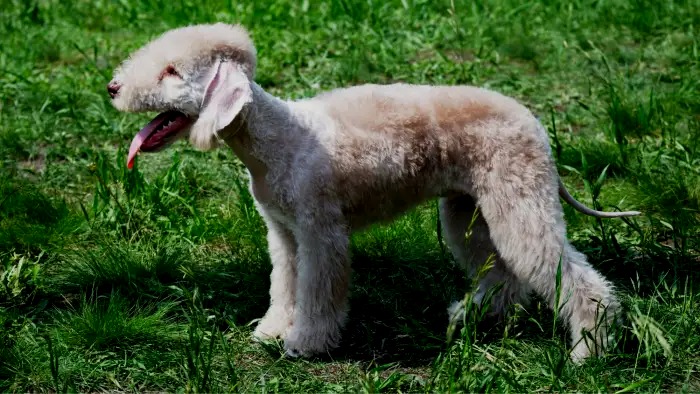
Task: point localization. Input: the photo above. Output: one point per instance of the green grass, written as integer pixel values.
(143, 280)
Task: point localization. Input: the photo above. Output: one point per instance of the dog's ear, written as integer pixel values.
(228, 90)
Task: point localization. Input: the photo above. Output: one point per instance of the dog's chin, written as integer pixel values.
(121, 105)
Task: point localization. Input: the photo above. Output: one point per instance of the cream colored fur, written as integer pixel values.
(323, 167)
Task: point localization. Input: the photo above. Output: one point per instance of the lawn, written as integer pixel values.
(152, 279)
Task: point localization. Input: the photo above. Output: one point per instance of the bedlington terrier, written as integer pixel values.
(325, 166)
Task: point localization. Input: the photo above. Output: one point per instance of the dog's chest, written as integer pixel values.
(268, 202)
(260, 190)
(277, 214)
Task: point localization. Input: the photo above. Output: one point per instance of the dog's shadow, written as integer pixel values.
(398, 308)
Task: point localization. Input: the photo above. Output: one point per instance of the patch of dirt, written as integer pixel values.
(35, 164)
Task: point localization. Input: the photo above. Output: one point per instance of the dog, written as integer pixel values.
(323, 167)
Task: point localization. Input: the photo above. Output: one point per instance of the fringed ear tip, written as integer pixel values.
(202, 139)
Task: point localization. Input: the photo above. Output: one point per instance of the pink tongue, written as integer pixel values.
(141, 137)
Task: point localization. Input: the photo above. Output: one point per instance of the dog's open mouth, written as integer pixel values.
(162, 131)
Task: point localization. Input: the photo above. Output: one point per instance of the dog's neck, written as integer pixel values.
(263, 124)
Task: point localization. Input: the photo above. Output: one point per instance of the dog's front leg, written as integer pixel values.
(322, 288)
(283, 250)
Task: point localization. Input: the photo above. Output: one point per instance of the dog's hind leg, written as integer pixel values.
(467, 235)
(283, 254)
(526, 224)
(455, 217)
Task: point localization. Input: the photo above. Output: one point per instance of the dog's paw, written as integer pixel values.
(294, 353)
(310, 340)
(301, 346)
(268, 332)
(579, 354)
(273, 325)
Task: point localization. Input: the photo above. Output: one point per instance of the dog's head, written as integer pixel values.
(197, 77)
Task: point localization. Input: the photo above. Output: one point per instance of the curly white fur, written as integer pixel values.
(323, 167)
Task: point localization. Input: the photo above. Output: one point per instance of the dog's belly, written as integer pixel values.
(381, 204)
(382, 213)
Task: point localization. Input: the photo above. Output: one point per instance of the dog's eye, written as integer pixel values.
(169, 71)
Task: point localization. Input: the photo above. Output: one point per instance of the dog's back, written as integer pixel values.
(405, 107)
(396, 146)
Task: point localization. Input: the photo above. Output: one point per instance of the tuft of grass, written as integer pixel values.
(115, 323)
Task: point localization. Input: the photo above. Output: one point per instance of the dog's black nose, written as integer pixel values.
(113, 89)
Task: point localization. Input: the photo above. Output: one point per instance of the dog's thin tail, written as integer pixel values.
(564, 194)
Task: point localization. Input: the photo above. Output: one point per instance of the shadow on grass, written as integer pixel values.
(398, 309)
(398, 306)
